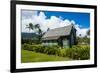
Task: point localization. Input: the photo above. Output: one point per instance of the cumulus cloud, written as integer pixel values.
(26, 14)
(33, 18)
(81, 32)
(45, 23)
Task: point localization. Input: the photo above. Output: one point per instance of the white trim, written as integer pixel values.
(51, 64)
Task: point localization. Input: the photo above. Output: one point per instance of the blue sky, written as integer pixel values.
(52, 19)
(83, 19)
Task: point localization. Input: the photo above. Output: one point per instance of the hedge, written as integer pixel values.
(77, 52)
(27, 47)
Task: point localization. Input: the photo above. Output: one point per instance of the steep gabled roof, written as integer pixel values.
(57, 32)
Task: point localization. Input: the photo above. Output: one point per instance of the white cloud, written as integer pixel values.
(26, 14)
(34, 19)
(39, 19)
(25, 22)
(52, 22)
(81, 31)
(72, 21)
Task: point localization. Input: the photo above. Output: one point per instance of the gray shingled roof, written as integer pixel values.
(57, 32)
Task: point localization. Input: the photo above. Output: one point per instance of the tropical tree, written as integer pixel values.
(30, 26)
(38, 31)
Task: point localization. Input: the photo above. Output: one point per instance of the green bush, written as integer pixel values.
(84, 53)
(53, 50)
(77, 52)
(62, 52)
(38, 48)
(27, 47)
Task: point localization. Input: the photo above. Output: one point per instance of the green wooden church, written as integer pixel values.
(63, 36)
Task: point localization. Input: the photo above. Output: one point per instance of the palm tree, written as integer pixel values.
(39, 31)
(37, 26)
(30, 26)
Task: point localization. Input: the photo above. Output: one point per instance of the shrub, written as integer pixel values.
(27, 47)
(38, 48)
(78, 52)
(54, 49)
(62, 52)
(84, 53)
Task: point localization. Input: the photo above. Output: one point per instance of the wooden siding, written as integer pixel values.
(65, 42)
(50, 42)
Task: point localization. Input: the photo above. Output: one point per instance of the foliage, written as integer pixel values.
(37, 29)
(51, 50)
(38, 48)
(54, 50)
(30, 26)
(79, 52)
(27, 47)
(83, 40)
(29, 41)
(30, 56)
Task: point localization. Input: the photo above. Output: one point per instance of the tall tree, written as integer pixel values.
(30, 26)
(39, 32)
(36, 29)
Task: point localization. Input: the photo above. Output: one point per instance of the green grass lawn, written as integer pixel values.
(30, 56)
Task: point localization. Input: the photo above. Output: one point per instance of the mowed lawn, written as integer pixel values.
(30, 56)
